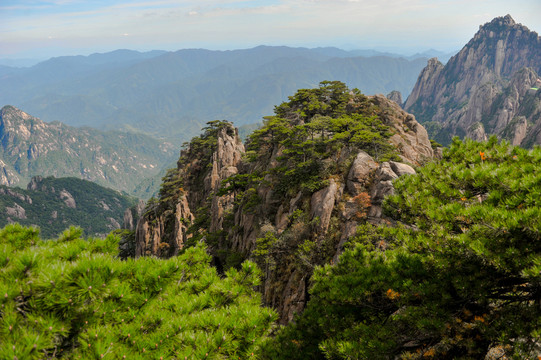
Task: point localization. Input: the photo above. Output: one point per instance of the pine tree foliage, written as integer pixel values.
(461, 277)
(314, 125)
(72, 298)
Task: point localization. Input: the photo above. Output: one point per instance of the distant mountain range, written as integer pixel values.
(173, 94)
(490, 87)
(56, 204)
(120, 160)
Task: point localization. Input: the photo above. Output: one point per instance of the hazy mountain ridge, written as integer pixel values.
(29, 147)
(184, 89)
(481, 89)
(55, 204)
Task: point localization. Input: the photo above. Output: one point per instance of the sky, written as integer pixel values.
(39, 29)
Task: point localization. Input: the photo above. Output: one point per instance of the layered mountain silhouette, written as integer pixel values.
(489, 87)
(173, 94)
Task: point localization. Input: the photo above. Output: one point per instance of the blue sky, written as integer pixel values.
(41, 29)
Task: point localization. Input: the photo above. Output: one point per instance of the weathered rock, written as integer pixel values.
(383, 186)
(68, 199)
(114, 224)
(359, 174)
(395, 96)
(132, 215)
(16, 195)
(487, 82)
(322, 205)
(36, 183)
(16, 211)
(410, 138)
(401, 169)
(164, 235)
(477, 132)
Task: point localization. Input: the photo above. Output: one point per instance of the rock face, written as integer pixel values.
(233, 204)
(16, 211)
(68, 199)
(30, 147)
(487, 88)
(132, 215)
(162, 230)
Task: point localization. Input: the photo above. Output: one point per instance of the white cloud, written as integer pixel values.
(230, 23)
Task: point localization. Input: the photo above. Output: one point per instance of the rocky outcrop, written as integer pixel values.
(163, 234)
(359, 174)
(163, 229)
(235, 204)
(322, 206)
(410, 138)
(395, 96)
(487, 88)
(132, 215)
(68, 199)
(15, 194)
(16, 211)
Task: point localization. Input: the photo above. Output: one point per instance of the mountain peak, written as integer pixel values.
(506, 20)
(503, 25)
(458, 95)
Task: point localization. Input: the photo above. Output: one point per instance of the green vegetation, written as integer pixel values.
(459, 277)
(72, 298)
(97, 211)
(314, 125)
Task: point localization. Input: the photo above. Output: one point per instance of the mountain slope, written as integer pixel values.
(481, 89)
(56, 204)
(29, 147)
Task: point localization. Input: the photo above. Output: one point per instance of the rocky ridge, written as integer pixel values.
(489, 87)
(235, 204)
(31, 147)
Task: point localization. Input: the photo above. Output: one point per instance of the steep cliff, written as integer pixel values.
(291, 199)
(485, 88)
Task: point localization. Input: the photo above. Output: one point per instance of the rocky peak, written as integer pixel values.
(202, 167)
(295, 196)
(395, 96)
(466, 96)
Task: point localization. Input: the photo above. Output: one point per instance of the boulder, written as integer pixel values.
(359, 173)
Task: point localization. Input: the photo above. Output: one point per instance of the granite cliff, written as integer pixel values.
(293, 194)
(489, 87)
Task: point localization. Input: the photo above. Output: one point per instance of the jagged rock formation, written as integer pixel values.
(31, 147)
(132, 215)
(239, 201)
(487, 88)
